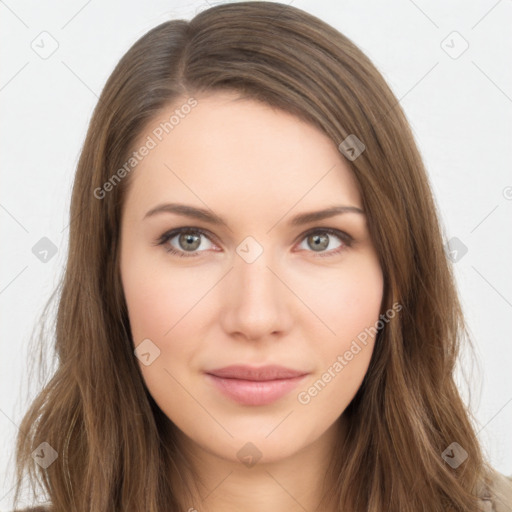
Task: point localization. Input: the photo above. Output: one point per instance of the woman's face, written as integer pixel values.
(260, 284)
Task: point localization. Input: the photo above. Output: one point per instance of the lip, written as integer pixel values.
(255, 386)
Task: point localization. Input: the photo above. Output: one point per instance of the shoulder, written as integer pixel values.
(496, 496)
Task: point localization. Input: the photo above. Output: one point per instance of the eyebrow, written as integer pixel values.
(210, 217)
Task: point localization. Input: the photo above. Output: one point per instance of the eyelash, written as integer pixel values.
(344, 237)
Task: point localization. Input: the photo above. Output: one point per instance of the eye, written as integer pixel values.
(188, 240)
(319, 239)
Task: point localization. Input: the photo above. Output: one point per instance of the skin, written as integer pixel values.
(256, 167)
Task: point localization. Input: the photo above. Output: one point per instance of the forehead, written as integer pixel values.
(232, 151)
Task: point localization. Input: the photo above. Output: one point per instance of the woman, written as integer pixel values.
(257, 311)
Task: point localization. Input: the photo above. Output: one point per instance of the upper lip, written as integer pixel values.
(270, 372)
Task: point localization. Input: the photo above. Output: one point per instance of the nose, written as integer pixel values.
(256, 302)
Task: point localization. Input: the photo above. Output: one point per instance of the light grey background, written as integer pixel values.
(459, 106)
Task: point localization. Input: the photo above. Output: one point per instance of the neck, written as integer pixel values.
(301, 481)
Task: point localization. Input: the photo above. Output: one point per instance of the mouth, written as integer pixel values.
(255, 386)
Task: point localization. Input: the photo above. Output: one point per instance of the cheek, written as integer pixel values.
(159, 305)
(349, 307)
(148, 306)
(158, 298)
(347, 302)
(166, 306)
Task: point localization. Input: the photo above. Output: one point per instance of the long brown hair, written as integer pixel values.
(115, 447)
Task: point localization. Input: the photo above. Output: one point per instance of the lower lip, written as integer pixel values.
(250, 392)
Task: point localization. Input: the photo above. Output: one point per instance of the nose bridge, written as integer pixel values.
(255, 297)
(254, 279)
